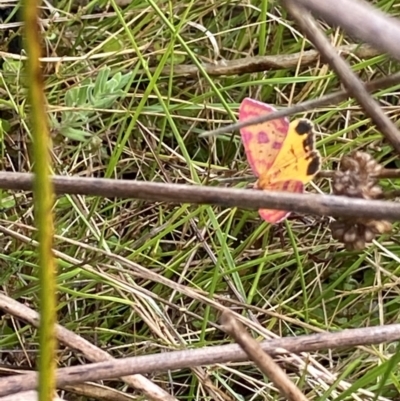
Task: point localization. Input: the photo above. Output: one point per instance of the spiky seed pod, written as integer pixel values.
(357, 178)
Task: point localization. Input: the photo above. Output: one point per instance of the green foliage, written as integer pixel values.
(128, 269)
(84, 100)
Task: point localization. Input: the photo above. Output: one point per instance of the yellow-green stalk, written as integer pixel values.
(43, 197)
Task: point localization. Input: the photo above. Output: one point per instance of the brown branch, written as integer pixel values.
(27, 396)
(322, 205)
(265, 63)
(116, 368)
(359, 18)
(264, 362)
(332, 98)
(90, 351)
(353, 84)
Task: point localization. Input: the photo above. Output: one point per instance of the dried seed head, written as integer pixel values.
(357, 178)
(338, 229)
(356, 233)
(358, 245)
(369, 234)
(351, 234)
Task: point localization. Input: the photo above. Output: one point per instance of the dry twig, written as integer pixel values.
(26, 396)
(113, 368)
(360, 19)
(353, 84)
(265, 363)
(322, 205)
(265, 63)
(90, 351)
(332, 98)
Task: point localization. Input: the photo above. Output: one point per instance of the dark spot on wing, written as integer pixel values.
(262, 137)
(303, 127)
(315, 164)
(277, 145)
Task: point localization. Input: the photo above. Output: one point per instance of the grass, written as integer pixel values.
(144, 124)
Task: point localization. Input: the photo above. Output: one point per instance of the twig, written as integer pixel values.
(90, 351)
(26, 396)
(264, 63)
(361, 19)
(332, 98)
(322, 205)
(265, 363)
(115, 368)
(353, 84)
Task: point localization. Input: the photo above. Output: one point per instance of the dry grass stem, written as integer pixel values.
(264, 362)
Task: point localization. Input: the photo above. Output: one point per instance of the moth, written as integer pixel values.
(281, 154)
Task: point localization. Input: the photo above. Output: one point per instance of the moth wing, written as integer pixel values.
(298, 159)
(280, 153)
(276, 216)
(262, 142)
